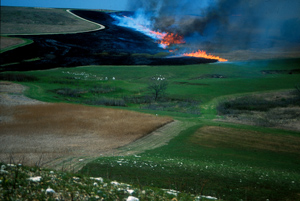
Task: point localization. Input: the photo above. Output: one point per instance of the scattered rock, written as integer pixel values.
(35, 179)
(50, 190)
(131, 198)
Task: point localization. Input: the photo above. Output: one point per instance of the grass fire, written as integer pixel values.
(139, 103)
(166, 40)
(203, 54)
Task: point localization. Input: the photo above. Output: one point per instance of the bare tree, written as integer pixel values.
(158, 86)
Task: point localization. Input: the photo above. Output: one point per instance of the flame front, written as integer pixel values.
(164, 39)
(203, 54)
(171, 38)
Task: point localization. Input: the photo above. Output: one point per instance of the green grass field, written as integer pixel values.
(228, 171)
(194, 82)
(26, 20)
(225, 160)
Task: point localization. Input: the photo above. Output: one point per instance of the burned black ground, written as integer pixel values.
(113, 45)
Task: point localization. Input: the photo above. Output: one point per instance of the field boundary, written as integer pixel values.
(157, 138)
(100, 25)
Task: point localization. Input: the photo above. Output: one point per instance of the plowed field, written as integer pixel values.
(33, 132)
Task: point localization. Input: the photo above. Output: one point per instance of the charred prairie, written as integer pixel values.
(114, 45)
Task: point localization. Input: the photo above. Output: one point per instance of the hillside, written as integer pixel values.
(21, 20)
(45, 184)
(235, 134)
(24, 21)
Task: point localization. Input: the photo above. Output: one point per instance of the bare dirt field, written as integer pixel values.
(6, 42)
(46, 134)
(245, 139)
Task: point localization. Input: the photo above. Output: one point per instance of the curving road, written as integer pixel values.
(100, 25)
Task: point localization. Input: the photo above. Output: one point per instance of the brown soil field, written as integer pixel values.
(6, 42)
(214, 136)
(21, 20)
(32, 132)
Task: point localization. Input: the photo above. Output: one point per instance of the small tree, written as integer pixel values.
(158, 86)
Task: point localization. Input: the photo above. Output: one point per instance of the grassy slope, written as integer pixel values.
(33, 183)
(241, 78)
(192, 162)
(229, 171)
(21, 20)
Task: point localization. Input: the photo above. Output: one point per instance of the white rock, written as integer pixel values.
(131, 198)
(130, 191)
(50, 190)
(173, 192)
(35, 179)
(100, 179)
(114, 183)
(209, 197)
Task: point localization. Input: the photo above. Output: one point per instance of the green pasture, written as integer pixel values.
(204, 83)
(189, 163)
(226, 172)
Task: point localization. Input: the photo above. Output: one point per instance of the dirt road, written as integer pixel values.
(156, 139)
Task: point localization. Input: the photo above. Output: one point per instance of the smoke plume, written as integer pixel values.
(226, 23)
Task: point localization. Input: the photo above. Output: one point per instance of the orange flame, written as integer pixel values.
(203, 54)
(166, 39)
(171, 38)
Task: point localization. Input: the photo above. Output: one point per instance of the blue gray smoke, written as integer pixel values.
(236, 23)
